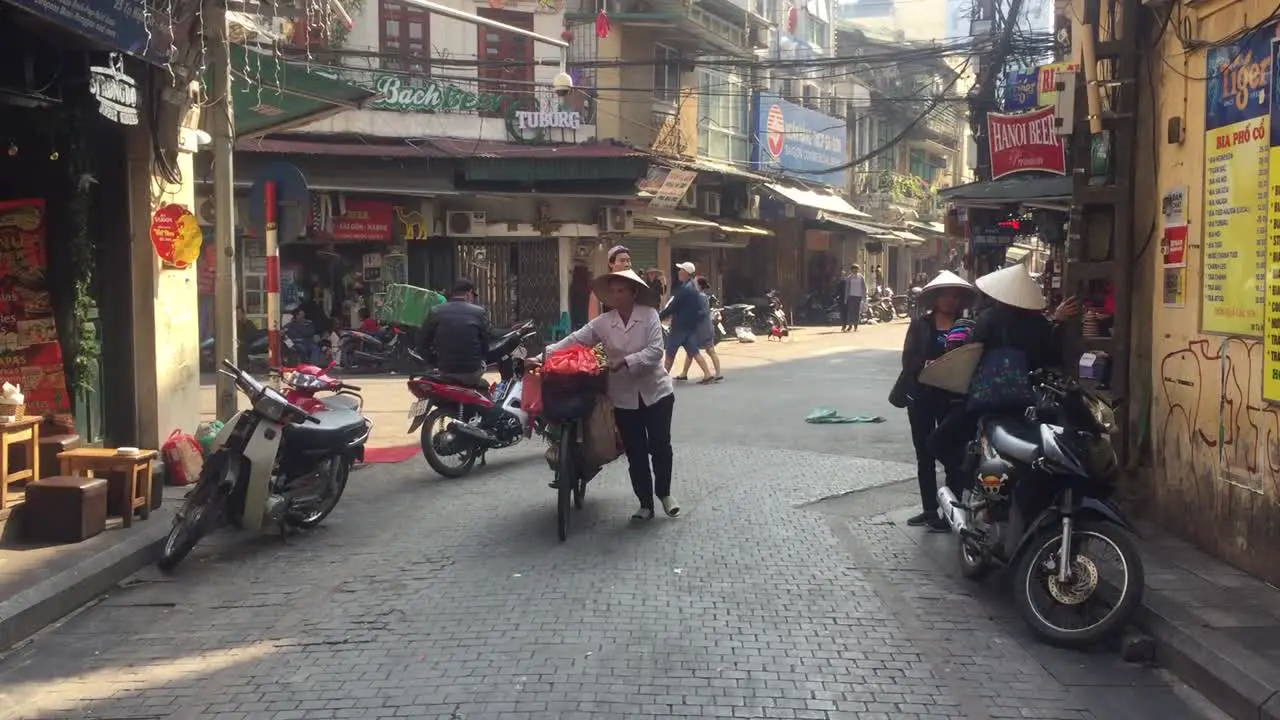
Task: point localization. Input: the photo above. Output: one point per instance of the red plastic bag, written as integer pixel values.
(576, 360)
(531, 394)
(183, 459)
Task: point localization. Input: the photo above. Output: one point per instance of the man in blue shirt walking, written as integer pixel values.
(686, 312)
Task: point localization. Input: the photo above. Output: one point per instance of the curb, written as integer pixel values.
(1242, 684)
(35, 608)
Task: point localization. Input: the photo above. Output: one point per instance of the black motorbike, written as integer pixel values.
(820, 309)
(769, 314)
(1040, 503)
(460, 424)
(386, 351)
(735, 316)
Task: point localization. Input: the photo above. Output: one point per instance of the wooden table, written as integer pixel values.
(25, 434)
(136, 468)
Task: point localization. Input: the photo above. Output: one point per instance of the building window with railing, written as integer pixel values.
(722, 117)
(404, 37)
(666, 73)
(506, 59)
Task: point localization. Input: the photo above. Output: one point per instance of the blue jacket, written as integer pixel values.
(686, 306)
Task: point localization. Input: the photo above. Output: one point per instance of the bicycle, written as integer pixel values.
(565, 428)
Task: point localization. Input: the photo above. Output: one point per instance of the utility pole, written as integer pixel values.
(983, 99)
(222, 129)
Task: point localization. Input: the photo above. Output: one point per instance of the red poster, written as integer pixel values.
(30, 355)
(368, 220)
(1025, 142)
(1174, 246)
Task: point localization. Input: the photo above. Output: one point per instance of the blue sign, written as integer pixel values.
(118, 24)
(1021, 90)
(798, 141)
(1239, 75)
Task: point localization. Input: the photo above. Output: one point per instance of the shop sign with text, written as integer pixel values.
(1025, 142)
(116, 92)
(176, 236)
(364, 220)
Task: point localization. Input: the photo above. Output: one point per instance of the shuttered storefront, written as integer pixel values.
(644, 254)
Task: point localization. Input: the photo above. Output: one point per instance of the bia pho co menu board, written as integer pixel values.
(30, 355)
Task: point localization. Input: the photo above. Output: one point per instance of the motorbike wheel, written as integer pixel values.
(437, 463)
(974, 565)
(341, 470)
(347, 354)
(197, 516)
(1037, 590)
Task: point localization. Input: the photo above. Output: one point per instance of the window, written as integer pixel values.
(506, 59)
(722, 117)
(666, 73)
(404, 37)
(817, 32)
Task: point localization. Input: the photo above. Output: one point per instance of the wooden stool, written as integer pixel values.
(65, 509)
(51, 444)
(135, 494)
(25, 434)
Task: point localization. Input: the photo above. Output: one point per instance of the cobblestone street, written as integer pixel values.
(789, 589)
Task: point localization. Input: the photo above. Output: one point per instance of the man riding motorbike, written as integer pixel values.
(456, 336)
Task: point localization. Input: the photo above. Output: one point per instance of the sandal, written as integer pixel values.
(681, 378)
(719, 378)
(644, 513)
(707, 380)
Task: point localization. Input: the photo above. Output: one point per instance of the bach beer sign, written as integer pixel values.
(1025, 142)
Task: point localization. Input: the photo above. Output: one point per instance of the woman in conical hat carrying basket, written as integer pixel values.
(1017, 337)
(943, 299)
(639, 387)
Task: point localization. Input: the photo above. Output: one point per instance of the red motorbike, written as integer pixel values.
(460, 424)
(302, 382)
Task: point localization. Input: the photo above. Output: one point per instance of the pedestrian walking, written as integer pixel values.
(686, 312)
(706, 336)
(944, 299)
(855, 291)
(619, 258)
(639, 386)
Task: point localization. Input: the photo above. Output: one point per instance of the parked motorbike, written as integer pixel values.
(275, 464)
(820, 309)
(368, 352)
(737, 315)
(461, 423)
(1040, 503)
(769, 314)
(901, 306)
(913, 302)
(252, 355)
(304, 381)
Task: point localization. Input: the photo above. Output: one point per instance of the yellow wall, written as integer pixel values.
(629, 114)
(1215, 445)
(166, 318)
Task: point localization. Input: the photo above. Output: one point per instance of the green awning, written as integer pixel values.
(270, 94)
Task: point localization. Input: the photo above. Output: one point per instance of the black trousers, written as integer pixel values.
(925, 414)
(646, 433)
(851, 313)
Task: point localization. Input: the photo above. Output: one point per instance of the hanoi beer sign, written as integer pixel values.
(1025, 142)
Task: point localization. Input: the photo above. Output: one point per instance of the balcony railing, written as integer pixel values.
(944, 122)
(896, 192)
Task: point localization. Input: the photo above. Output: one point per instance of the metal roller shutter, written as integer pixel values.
(644, 253)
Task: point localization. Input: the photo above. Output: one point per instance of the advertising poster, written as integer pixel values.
(1048, 80)
(1271, 309)
(1020, 91)
(1237, 186)
(1175, 287)
(798, 141)
(1173, 240)
(364, 221)
(30, 355)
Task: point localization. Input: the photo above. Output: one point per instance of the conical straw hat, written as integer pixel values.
(954, 370)
(1013, 286)
(645, 295)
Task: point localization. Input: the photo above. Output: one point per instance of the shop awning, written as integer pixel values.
(909, 239)
(933, 227)
(1010, 191)
(851, 224)
(687, 223)
(1017, 253)
(817, 201)
(678, 220)
(703, 165)
(270, 94)
(746, 230)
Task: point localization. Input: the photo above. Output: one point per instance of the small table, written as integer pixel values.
(136, 468)
(25, 434)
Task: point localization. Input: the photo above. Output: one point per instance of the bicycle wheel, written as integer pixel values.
(566, 478)
(579, 491)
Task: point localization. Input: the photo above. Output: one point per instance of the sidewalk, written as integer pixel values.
(1214, 626)
(40, 584)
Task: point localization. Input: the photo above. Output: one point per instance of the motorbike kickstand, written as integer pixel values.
(284, 531)
(484, 459)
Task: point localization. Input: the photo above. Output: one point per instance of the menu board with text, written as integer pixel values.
(30, 354)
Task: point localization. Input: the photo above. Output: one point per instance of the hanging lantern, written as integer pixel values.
(793, 19)
(602, 24)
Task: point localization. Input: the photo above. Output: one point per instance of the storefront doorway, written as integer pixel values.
(516, 280)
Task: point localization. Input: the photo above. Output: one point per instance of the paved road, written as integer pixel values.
(789, 590)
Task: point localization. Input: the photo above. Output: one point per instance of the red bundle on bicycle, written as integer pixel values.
(571, 380)
(531, 394)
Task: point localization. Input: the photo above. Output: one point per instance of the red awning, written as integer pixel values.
(453, 147)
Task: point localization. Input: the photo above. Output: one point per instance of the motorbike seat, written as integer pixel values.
(341, 402)
(338, 427)
(1016, 439)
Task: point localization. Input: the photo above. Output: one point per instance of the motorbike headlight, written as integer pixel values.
(1103, 415)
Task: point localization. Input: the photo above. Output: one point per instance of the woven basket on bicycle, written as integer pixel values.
(571, 397)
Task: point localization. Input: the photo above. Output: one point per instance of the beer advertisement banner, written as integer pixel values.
(1271, 306)
(30, 355)
(1237, 186)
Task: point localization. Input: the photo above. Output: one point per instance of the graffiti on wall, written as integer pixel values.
(1215, 422)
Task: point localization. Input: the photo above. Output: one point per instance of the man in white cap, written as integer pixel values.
(686, 312)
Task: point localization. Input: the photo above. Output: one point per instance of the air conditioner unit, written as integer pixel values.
(710, 204)
(205, 211)
(690, 199)
(759, 37)
(1064, 106)
(465, 223)
(616, 219)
